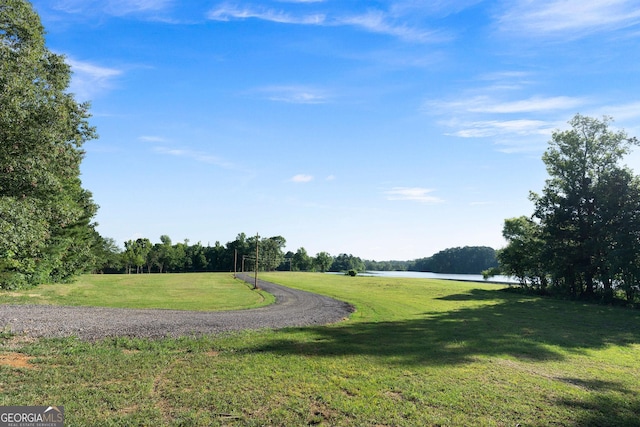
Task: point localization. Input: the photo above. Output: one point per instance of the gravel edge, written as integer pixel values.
(292, 308)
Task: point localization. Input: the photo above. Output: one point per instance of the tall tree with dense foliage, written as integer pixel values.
(301, 261)
(587, 215)
(522, 258)
(45, 214)
(346, 262)
(322, 261)
(270, 254)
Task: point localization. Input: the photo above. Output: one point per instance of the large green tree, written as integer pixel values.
(322, 261)
(301, 261)
(270, 254)
(522, 257)
(45, 214)
(584, 232)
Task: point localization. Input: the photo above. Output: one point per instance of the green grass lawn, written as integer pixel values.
(193, 291)
(416, 353)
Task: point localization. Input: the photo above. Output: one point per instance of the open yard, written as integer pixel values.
(193, 291)
(416, 352)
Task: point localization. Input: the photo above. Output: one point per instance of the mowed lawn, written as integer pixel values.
(415, 353)
(193, 291)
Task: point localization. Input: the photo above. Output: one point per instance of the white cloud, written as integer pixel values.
(486, 104)
(295, 94)
(301, 178)
(489, 128)
(415, 194)
(513, 124)
(533, 104)
(569, 18)
(198, 156)
(112, 7)
(88, 80)
(374, 21)
(227, 13)
(621, 112)
(379, 22)
(150, 138)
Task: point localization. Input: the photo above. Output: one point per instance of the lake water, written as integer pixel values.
(427, 275)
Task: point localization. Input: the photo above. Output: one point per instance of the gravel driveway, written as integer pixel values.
(292, 308)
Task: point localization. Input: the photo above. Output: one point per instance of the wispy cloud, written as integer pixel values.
(151, 138)
(569, 18)
(294, 94)
(487, 104)
(301, 178)
(111, 7)
(514, 124)
(490, 128)
(228, 13)
(529, 105)
(415, 194)
(379, 22)
(375, 21)
(89, 79)
(301, 1)
(621, 112)
(198, 156)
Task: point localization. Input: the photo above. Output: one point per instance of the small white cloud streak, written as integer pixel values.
(622, 112)
(89, 79)
(301, 178)
(378, 22)
(294, 94)
(485, 104)
(227, 13)
(415, 194)
(111, 7)
(124, 7)
(151, 138)
(488, 128)
(301, 1)
(198, 156)
(570, 18)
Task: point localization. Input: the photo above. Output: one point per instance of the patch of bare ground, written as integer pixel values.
(16, 360)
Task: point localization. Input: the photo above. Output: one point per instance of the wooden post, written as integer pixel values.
(255, 283)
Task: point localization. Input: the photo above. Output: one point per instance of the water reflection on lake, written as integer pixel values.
(427, 275)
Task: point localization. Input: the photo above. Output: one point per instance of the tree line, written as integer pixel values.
(142, 256)
(583, 238)
(465, 260)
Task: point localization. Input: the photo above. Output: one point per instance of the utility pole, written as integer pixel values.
(255, 283)
(235, 262)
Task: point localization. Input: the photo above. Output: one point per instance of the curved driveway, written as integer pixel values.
(291, 308)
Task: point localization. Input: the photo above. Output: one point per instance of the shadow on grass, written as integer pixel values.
(524, 327)
(610, 404)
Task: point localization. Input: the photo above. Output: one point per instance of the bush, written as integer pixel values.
(352, 273)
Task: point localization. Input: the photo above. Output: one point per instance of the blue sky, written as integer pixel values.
(384, 129)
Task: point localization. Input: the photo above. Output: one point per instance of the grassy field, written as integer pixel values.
(193, 291)
(416, 353)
